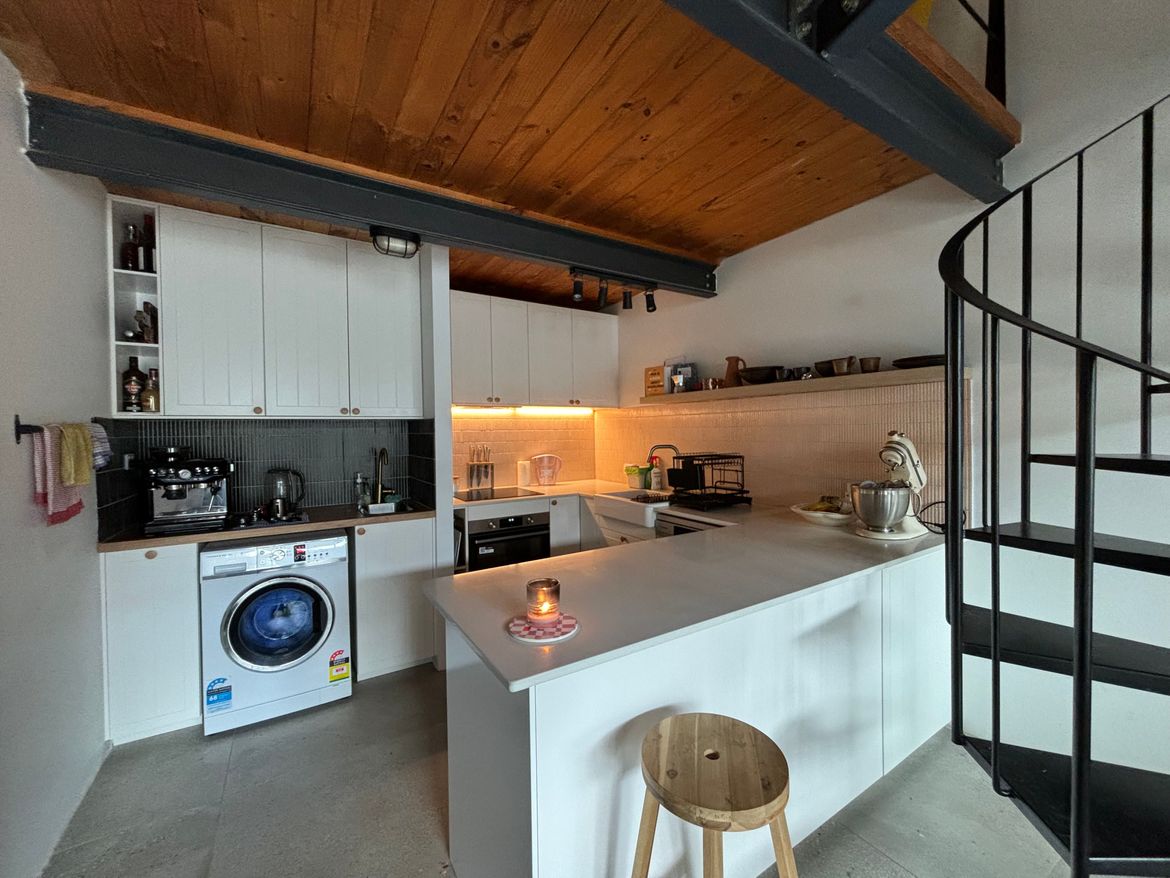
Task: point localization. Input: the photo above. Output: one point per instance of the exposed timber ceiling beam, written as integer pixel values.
(91, 140)
(867, 77)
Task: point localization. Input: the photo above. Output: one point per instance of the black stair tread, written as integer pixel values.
(1130, 808)
(1052, 540)
(1145, 464)
(1048, 646)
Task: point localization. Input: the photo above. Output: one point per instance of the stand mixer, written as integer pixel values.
(872, 502)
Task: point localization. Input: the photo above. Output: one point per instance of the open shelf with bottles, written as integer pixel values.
(135, 298)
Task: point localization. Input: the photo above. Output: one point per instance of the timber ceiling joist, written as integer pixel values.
(621, 120)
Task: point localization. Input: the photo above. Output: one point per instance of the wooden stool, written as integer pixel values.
(718, 773)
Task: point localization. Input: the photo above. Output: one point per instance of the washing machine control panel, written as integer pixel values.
(247, 559)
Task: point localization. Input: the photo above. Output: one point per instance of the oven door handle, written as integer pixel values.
(502, 536)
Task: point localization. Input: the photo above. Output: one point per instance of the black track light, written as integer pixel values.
(602, 294)
(578, 290)
(650, 306)
(627, 300)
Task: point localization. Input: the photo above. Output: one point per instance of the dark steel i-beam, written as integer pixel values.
(89, 140)
(881, 87)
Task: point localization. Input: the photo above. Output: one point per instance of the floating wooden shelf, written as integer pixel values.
(861, 381)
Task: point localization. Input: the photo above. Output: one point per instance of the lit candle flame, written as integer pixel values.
(545, 607)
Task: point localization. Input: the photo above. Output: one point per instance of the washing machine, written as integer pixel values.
(275, 627)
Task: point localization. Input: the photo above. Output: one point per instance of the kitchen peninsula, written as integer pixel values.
(826, 642)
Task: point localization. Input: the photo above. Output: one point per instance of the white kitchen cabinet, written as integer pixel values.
(509, 351)
(916, 665)
(564, 525)
(394, 620)
(595, 359)
(471, 349)
(151, 640)
(385, 342)
(306, 324)
(550, 355)
(212, 315)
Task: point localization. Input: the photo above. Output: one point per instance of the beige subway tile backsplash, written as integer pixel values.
(513, 437)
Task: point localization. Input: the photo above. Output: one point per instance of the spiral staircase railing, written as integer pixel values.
(1103, 818)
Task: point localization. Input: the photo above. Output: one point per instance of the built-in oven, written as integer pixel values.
(508, 539)
(667, 524)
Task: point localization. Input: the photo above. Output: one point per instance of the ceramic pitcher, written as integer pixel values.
(731, 378)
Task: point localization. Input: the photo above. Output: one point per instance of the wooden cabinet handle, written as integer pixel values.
(345, 411)
(256, 410)
(361, 531)
(357, 411)
(497, 399)
(489, 399)
(151, 554)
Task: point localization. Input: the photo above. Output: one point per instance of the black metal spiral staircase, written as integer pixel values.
(1105, 819)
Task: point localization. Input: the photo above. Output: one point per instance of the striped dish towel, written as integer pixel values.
(61, 503)
(102, 453)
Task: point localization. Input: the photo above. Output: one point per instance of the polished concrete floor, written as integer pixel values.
(359, 788)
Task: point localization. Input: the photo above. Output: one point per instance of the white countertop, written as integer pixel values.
(628, 598)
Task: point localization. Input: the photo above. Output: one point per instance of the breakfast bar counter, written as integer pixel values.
(833, 645)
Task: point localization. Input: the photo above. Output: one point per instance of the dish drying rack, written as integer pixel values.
(707, 480)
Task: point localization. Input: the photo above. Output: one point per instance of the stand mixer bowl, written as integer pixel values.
(880, 505)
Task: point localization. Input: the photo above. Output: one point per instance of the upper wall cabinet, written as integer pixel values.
(511, 353)
(306, 324)
(595, 359)
(213, 326)
(489, 350)
(261, 320)
(385, 344)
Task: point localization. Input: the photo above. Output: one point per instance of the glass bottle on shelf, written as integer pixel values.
(133, 383)
(128, 258)
(150, 399)
(148, 245)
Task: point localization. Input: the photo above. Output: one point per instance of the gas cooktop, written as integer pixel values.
(496, 494)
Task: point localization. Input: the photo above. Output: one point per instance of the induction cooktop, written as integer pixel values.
(496, 494)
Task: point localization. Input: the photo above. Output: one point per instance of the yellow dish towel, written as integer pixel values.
(76, 454)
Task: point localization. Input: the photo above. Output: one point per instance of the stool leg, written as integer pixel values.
(782, 844)
(645, 836)
(712, 853)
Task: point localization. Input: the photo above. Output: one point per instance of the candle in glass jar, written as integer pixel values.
(544, 601)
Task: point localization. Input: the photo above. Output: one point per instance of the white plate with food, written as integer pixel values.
(828, 511)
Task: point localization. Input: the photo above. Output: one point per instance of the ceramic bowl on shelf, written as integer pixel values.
(761, 374)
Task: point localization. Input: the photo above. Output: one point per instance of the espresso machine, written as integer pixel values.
(185, 494)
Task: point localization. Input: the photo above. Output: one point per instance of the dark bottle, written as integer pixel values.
(148, 246)
(133, 383)
(130, 247)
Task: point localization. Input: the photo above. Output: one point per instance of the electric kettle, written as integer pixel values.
(286, 490)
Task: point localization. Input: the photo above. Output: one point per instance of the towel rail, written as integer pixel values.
(24, 429)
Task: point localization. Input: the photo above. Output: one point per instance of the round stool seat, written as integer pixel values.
(714, 771)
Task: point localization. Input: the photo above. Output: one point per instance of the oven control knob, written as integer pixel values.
(184, 474)
(491, 524)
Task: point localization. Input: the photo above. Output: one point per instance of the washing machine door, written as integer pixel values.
(277, 623)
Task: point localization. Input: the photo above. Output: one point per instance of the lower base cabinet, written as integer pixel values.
(394, 620)
(152, 641)
(565, 525)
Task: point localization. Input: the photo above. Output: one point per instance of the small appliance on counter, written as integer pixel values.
(285, 489)
(546, 468)
(523, 473)
(885, 510)
(185, 494)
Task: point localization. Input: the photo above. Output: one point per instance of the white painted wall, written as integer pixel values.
(52, 285)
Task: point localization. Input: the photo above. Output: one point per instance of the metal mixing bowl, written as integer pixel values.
(880, 507)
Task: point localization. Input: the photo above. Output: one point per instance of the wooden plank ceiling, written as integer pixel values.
(621, 116)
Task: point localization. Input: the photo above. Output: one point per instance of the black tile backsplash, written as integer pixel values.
(328, 452)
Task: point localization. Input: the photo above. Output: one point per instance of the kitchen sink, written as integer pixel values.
(638, 507)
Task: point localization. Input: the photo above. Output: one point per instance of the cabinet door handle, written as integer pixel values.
(554, 502)
(257, 410)
(489, 399)
(625, 539)
(497, 399)
(151, 554)
(361, 531)
(357, 411)
(345, 411)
